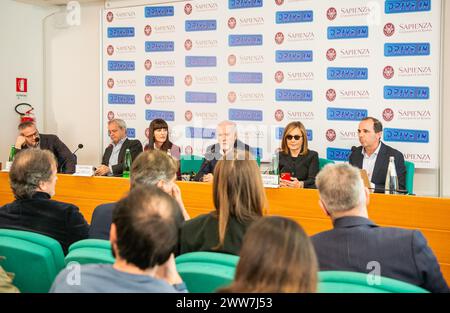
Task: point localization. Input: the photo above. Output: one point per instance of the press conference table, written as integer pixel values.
(430, 215)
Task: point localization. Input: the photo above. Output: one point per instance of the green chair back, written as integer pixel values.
(323, 162)
(190, 163)
(206, 271)
(409, 177)
(352, 282)
(90, 251)
(34, 259)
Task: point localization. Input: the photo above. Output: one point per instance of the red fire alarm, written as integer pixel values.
(21, 84)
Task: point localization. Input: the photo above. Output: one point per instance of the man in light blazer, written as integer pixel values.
(114, 155)
(373, 155)
(357, 244)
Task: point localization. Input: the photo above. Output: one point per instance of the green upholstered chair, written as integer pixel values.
(409, 177)
(352, 282)
(190, 163)
(323, 162)
(90, 251)
(206, 271)
(34, 259)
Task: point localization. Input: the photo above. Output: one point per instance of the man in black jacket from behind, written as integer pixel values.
(114, 155)
(30, 137)
(33, 179)
(357, 244)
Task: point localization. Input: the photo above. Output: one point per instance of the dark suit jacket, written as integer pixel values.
(101, 221)
(402, 254)
(135, 147)
(202, 234)
(213, 155)
(303, 167)
(65, 158)
(381, 166)
(59, 220)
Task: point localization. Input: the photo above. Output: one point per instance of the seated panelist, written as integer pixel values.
(298, 166)
(114, 155)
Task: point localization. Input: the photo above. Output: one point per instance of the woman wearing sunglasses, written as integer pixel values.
(298, 165)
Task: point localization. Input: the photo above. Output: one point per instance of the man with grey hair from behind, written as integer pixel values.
(152, 168)
(357, 244)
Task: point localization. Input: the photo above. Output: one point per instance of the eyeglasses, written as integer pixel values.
(296, 137)
(35, 134)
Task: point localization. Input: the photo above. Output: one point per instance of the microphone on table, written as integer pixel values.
(80, 146)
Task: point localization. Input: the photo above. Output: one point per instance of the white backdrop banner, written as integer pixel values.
(265, 63)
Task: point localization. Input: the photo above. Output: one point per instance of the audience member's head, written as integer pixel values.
(159, 135)
(154, 168)
(276, 256)
(342, 191)
(238, 190)
(145, 227)
(29, 131)
(295, 139)
(33, 170)
(117, 130)
(227, 135)
(369, 132)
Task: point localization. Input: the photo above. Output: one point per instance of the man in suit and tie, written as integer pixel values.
(29, 137)
(114, 156)
(373, 155)
(227, 135)
(357, 244)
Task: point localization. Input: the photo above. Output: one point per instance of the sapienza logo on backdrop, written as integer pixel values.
(165, 115)
(121, 66)
(204, 133)
(418, 115)
(245, 115)
(204, 116)
(355, 11)
(200, 25)
(293, 76)
(251, 96)
(284, 56)
(330, 135)
(285, 17)
(330, 95)
(279, 133)
(159, 46)
(348, 94)
(354, 53)
(415, 27)
(347, 73)
(331, 13)
(410, 71)
(299, 115)
(125, 49)
(293, 95)
(245, 40)
(338, 154)
(246, 59)
(200, 97)
(406, 49)
(406, 92)
(388, 72)
(245, 78)
(154, 81)
(417, 157)
(120, 32)
(164, 29)
(406, 6)
(244, 4)
(300, 36)
(169, 63)
(126, 15)
(347, 32)
(341, 114)
(343, 135)
(200, 61)
(126, 116)
(245, 21)
(121, 83)
(164, 99)
(201, 44)
(121, 99)
(201, 79)
(159, 11)
(406, 135)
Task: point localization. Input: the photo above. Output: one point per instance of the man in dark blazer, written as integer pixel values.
(373, 155)
(30, 137)
(114, 155)
(357, 244)
(227, 136)
(33, 179)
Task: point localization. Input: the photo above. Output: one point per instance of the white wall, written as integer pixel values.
(21, 55)
(72, 90)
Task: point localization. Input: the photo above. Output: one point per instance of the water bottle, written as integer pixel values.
(275, 163)
(391, 185)
(12, 153)
(127, 164)
(258, 158)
